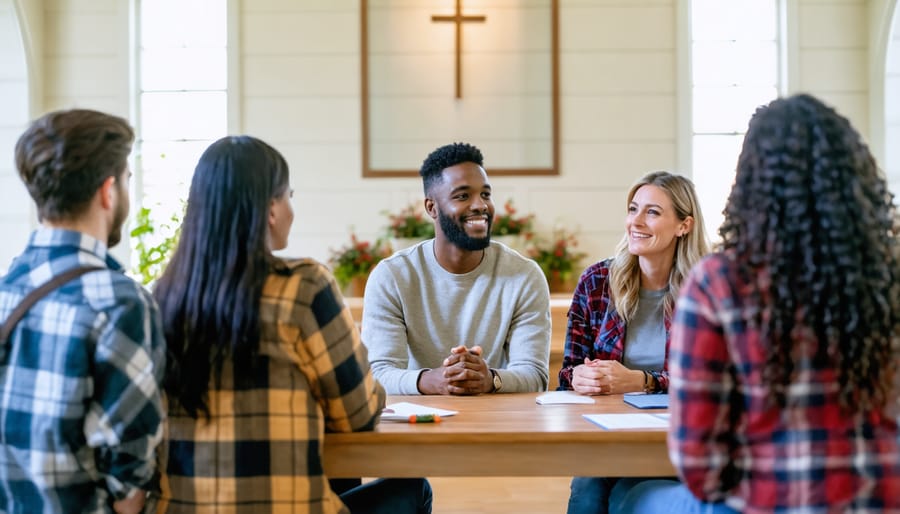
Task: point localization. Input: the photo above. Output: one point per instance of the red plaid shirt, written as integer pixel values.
(595, 328)
(727, 441)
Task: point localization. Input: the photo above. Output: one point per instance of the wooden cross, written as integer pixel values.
(458, 19)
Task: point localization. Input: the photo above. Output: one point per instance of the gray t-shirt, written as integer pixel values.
(645, 335)
(415, 311)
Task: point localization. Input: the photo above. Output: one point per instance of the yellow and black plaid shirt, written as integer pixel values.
(261, 450)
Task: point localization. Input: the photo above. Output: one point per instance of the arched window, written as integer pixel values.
(735, 63)
(892, 104)
(17, 213)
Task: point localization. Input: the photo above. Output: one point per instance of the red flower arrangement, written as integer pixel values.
(558, 259)
(409, 223)
(508, 224)
(356, 259)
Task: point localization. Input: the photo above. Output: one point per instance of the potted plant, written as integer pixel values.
(408, 227)
(352, 263)
(510, 229)
(558, 260)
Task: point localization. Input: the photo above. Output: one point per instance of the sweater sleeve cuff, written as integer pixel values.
(410, 380)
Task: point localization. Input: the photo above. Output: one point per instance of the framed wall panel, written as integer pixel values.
(480, 71)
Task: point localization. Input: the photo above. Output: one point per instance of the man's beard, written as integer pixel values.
(115, 232)
(457, 236)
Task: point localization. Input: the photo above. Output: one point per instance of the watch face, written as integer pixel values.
(497, 382)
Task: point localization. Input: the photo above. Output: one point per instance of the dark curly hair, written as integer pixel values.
(64, 156)
(810, 223)
(445, 157)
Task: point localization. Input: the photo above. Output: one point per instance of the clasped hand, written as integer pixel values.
(605, 377)
(463, 372)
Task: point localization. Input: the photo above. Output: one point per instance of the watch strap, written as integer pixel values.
(496, 381)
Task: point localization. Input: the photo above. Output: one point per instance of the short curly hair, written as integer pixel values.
(810, 225)
(445, 157)
(64, 157)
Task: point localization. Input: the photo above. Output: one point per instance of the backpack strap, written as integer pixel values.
(38, 293)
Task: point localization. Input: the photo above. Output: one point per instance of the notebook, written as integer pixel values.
(639, 421)
(403, 410)
(647, 401)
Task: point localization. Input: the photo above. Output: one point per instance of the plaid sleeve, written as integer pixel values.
(125, 419)
(578, 341)
(339, 368)
(594, 328)
(700, 387)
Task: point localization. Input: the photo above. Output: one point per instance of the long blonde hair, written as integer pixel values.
(625, 273)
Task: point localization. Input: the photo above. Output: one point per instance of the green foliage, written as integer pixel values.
(409, 223)
(356, 259)
(508, 224)
(153, 244)
(557, 257)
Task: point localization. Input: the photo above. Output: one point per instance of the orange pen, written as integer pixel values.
(424, 418)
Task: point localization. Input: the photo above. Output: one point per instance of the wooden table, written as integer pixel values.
(500, 435)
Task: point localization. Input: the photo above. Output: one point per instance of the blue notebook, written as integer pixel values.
(647, 401)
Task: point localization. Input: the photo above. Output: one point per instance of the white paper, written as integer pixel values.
(561, 397)
(403, 410)
(628, 421)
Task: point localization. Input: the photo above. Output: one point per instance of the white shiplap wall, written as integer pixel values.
(86, 55)
(833, 56)
(301, 92)
(299, 89)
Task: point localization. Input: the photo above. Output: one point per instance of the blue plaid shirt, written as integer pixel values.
(80, 408)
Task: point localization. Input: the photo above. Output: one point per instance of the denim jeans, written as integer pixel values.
(342, 485)
(639, 495)
(590, 495)
(390, 496)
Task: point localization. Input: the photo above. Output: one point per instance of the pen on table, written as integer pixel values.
(424, 418)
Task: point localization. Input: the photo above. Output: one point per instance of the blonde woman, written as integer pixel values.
(664, 238)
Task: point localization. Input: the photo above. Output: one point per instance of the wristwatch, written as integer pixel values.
(650, 383)
(498, 384)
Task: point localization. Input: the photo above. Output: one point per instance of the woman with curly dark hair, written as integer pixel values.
(784, 353)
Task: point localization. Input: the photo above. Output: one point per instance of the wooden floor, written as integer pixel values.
(512, 495)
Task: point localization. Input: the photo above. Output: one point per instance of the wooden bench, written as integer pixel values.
(559, 308)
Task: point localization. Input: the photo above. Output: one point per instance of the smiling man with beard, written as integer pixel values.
(458, 314)
(80, 372)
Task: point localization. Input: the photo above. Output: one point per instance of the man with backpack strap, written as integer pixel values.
(83, 356)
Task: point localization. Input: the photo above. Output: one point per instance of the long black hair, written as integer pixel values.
(810, 223)
(209, 295)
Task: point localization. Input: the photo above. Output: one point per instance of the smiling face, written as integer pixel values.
(463, 207)
(652, 224)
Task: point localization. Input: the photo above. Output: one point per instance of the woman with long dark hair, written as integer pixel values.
(785, 354)
(263, 354)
